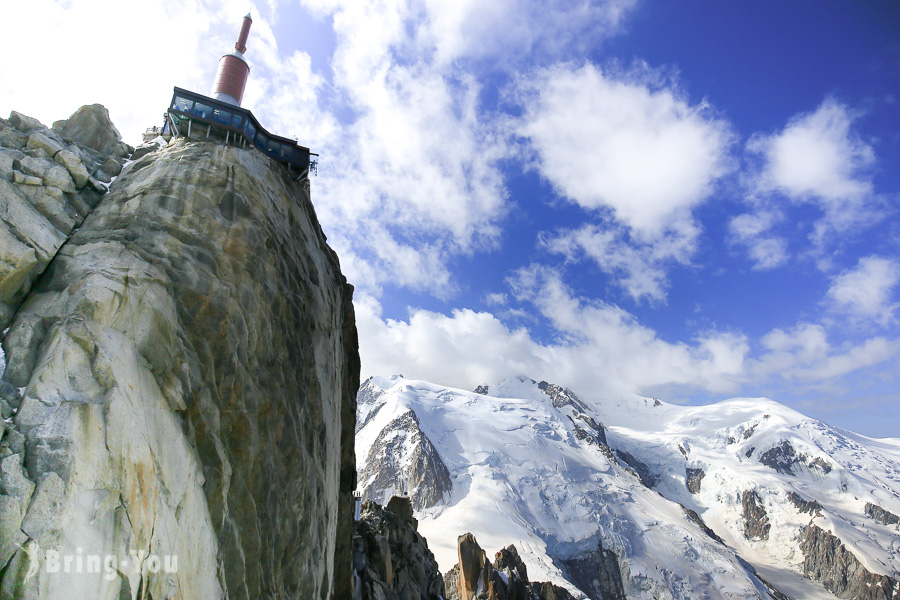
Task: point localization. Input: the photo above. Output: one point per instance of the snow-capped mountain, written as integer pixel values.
(635, 497)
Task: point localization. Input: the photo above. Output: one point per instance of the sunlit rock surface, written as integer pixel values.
(181, 385)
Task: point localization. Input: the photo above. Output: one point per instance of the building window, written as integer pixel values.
(221, 116)
(236, 121)
(182, 104)
(204, 111)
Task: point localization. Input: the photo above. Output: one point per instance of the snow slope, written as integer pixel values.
(529, 467)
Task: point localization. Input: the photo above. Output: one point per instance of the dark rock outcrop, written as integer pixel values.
(781, 458)
(597, 574)
(474, 577)
(189, 368)
(881, 515)
(693, 516)
(756, 520)
(827, 560)
(811, 507)
(640, 469)
(693, 477)
(547, 591)
(785, 460)
(391, 559)
(402, 455)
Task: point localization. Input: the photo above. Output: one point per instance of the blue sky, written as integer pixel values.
(691, 200)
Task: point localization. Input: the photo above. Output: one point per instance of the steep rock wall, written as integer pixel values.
(187, 367)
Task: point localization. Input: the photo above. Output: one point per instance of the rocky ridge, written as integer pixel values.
(179, 393)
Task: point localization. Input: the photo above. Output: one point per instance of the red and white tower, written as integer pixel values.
(233, 69)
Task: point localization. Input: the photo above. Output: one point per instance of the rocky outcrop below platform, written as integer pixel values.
(391, 560)
(827, 560)
(185, 372)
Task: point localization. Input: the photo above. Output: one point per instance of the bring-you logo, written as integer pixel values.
(110, 565)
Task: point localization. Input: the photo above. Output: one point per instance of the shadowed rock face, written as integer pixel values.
(828, 561)
(693, 479)
(391, 559)
(391, 462)
(597, 574)
(756, 520)
(881, 515)
(189, 366)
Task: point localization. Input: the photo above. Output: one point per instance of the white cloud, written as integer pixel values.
(413, 177)
(506, 31)
(124, 55)
(605, 351)
(624, 143)
(866, 293)
(803, 354)
(817, 159)
(753, 230)
(639, 268)
(634, 153)
(599, 347)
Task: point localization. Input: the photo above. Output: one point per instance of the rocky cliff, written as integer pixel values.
(391, 559)
(179, 393)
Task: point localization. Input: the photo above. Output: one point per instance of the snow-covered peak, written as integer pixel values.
(564, 478)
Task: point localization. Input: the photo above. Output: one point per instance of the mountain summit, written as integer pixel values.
(745, 498)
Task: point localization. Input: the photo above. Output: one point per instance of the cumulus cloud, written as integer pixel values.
(818, 159)
(603, 351)
(753, 231)
(415, 174)
(598, 347)
(803, 354)
(633, 152)
(816, 156)
(638, 266)
(866, 292)
(623, 143)
(96, 56)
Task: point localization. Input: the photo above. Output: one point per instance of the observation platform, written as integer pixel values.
(196, 116)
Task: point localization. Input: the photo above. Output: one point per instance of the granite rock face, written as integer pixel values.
(475, 577)
(183, 378)
(881, 515)
(756, 519)
(693, 479)
(597, 574)
(828, 561)
(421, 470)
(48, 185)
(391, 559)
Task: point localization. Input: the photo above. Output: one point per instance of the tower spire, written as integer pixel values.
(241, 45)
(231, 77)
